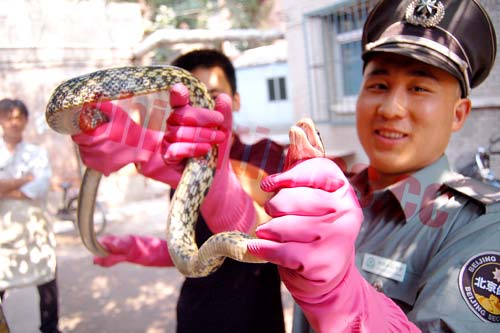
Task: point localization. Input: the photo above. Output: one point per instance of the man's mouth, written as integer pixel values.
(390, 134)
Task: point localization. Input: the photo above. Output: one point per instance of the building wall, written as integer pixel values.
(342, 139)
(484, 121)
(45, 42)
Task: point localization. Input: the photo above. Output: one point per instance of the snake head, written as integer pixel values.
(90, 118)
(305, 142)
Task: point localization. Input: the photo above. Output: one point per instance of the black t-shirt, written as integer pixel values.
(238, 297)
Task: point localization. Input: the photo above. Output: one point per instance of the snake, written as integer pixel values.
(67, 112)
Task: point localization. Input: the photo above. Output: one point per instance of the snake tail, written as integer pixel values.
(85, 212)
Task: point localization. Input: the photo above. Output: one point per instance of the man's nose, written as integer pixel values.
(395, 103)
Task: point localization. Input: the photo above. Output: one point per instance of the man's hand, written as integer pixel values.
(316, 219)
(141, 250)
(192, 132)
(116, 143)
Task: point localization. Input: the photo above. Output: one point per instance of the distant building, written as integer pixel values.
(264, 86)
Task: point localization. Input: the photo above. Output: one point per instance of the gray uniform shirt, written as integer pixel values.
(433, 249)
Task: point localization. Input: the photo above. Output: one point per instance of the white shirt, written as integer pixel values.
(27, 158)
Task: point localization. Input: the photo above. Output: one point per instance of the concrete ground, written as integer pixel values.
(124, 298)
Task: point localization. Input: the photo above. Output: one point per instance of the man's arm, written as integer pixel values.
(460, 287)
(9, 188)
(141, 250)
(316, 219)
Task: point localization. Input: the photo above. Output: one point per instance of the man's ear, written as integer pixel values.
(236, 102)
(461, 112)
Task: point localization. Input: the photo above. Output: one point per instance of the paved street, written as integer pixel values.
(124, 298)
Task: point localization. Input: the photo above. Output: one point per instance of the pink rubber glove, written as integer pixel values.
(157, 169)
(227, 206)
(145, 251)
(191, 132)
(316, 219)
(116, 143)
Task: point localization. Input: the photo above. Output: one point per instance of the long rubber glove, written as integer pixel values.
(141, 250)
(316, 219)
(227, 206)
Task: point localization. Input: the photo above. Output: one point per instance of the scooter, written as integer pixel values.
(480, 167)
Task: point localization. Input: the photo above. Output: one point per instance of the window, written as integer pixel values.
(333, 44)
(276, 88)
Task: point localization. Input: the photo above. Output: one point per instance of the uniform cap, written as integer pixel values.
(454, 35)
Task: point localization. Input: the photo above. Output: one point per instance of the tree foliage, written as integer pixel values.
(193, 14)
(249, 13)
(245, 14)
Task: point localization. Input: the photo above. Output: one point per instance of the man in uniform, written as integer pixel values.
(407, 245)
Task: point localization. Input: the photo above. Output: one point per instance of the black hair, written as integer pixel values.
(7, 105)
(208, 58)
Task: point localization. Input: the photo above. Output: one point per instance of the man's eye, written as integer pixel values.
(419, 89)
(377, 86)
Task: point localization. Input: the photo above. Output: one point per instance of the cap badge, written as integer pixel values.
(426, 13)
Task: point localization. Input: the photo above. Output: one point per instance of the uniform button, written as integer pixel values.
(378, 285)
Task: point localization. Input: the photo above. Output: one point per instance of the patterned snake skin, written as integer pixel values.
(63, 115)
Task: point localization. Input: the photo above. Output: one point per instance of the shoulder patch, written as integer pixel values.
(479, 283)
(475, 189)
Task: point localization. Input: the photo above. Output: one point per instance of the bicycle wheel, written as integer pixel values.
(100, 220)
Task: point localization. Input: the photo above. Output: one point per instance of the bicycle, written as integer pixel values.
(69, 205)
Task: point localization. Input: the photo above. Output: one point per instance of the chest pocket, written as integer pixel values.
(404, 291)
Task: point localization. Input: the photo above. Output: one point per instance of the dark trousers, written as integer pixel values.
(49, 306)
(4, 328)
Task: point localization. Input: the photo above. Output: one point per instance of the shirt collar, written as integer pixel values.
(412, 192)
(19, 145)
